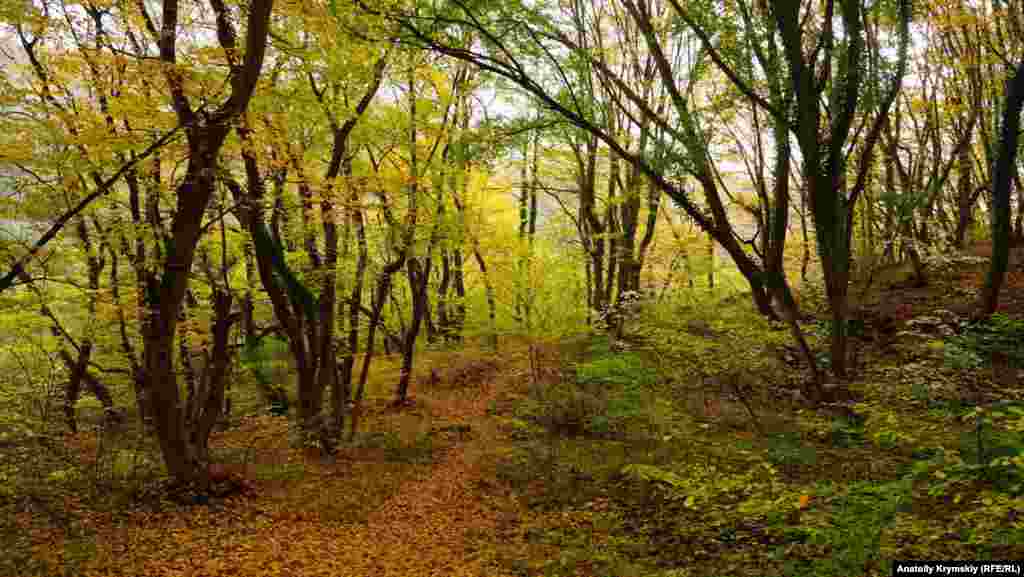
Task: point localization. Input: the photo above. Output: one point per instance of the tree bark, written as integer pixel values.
(1002, 184)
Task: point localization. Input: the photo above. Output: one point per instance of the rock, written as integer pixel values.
(836, 393)
(924, 322)
(949, 317)
(700, 328)
(930, 326)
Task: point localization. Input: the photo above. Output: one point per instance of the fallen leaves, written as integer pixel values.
(350, 518)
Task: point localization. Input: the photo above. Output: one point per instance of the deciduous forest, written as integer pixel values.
(672, 288)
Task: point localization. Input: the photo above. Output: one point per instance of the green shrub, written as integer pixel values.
(598, 346)
(853, 532)
(620, 381)
(823, 328)
(703, 337)
(258, 357)
(624, 369)
(419, 451)
(787, 449)
(129, 464)
(847, 432)
(606, 393)
(974, 347)
(958, 354)
(994, 450)
(565, 409)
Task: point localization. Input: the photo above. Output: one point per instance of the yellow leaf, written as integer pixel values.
(805, 500)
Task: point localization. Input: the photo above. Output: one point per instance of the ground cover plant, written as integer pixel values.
(695, 488)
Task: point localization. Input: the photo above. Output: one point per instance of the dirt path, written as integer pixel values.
(435, 523)
(430, 527)
(368, 514)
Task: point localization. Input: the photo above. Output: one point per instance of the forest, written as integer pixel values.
(670, 288)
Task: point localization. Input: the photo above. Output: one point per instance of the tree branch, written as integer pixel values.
(103, 188)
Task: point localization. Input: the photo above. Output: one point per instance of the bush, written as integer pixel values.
(996, 335)
(604, 394)
(705, 338)
(564, 408)
(788, 449)
(847, 432)
(626, 369)
(259, 358)
(854, 530)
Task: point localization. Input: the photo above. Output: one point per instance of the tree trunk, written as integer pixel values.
(356, 297)
(206, 132)
(210, 404)
(140, 261)
(459, 320)
(165, 301)
(965, 199)
(419, 277)
(185, 358)
(377, 308)
(248, 304)
(492, 305)
(1018, 234)
(327, 369)
(527, 231)
(77, 368)
(1002, 180)
(444, 320)
(711, 261)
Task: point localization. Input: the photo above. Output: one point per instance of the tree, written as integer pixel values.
(184, 450)
(100, 115)
(530, 51)
(1002, 185)
(429, 173)
(957, 51)
(828, 98)
(315, 150)
(77, 355)
(534, 44)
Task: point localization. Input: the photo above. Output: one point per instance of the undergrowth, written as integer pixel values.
(974, 347)
(636, 478)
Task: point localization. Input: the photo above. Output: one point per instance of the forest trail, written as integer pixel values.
(433, 510)
(428, 527)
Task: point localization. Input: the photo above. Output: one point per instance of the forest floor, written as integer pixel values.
(682, 452)
(416, 495)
